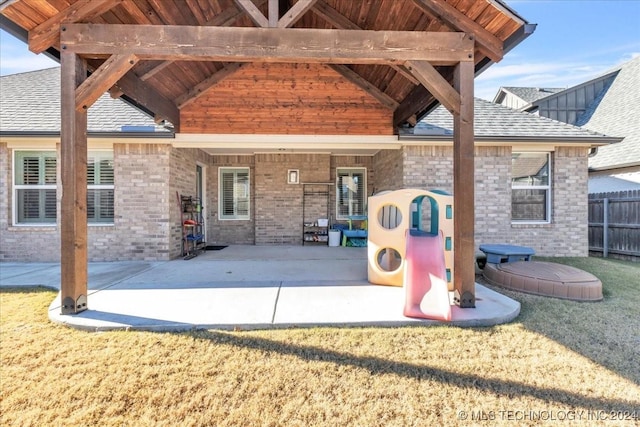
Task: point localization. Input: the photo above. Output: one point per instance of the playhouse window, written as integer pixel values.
(351, 192)
(234, 193)
(531, 187)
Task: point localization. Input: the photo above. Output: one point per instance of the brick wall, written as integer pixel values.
(142, 204)
(147, 216)
(228, 231)
(278, 205)
(389, 168)
(493, 196)
(430, 167)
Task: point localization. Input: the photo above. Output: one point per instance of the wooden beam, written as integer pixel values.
(365, 85)
(295, 13)
(150, 69)
(332, 16)
(254, 13)
(146, 96)
(7, 3)
(201, 88)
(189, 43)
(341, 22)
(436, 84)
(224, 19)
(488, 44)
(102, 79)
(274, 13)
(463, 190)
(73, 217)
(46, 34)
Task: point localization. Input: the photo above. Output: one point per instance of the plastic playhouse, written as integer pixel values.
(401, 252)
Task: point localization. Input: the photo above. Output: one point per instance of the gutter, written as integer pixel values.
(109, 134)
(594, 140)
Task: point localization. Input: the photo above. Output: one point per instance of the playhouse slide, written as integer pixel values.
(425, 277)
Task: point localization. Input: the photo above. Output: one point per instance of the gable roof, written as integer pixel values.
(30, 104)
(165, 81)
(526, 94)
(616, 111)
(496, 122)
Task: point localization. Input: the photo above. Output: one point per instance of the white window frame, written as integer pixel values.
(351, 170)
(235, 217)
(100, 154)
(547, 187)
(17, 187)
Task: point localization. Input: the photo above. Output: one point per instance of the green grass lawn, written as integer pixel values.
(559, 361)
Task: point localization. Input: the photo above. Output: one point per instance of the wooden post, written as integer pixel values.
(73, 222)
(605, 227)
(463, 189)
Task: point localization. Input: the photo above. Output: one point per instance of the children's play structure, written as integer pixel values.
(413, 247)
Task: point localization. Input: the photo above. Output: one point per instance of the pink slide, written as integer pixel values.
(425, 277)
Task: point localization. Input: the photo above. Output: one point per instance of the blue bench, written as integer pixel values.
(500, 253)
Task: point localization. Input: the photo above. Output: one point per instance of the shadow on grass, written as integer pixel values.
(379, 366)
(605, 331)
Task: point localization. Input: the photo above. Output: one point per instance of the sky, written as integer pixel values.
(574, 41)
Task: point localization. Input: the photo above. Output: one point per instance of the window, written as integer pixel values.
(35, 180)
(530, 187)
(351, 191)
(234, 194)
(100, 187)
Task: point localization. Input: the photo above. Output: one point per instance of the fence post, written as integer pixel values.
(605, 228)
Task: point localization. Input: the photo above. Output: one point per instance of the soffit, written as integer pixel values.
(491, 21)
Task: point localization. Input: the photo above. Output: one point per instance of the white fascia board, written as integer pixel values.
(288, 142)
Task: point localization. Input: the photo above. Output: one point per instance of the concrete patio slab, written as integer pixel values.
(245, 287)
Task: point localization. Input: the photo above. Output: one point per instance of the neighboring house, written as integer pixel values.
(608, 104)
(531, 180)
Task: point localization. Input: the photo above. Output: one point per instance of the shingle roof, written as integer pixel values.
(532, 94)
(497, 121)
(616, 111)
(30, 102)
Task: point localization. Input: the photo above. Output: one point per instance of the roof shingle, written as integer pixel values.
(30, 102)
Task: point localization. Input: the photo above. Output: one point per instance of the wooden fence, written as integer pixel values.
(614, 224)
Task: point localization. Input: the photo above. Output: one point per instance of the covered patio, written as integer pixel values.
(169, 58)
(245, 287)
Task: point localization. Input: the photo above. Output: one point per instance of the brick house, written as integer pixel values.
(137, 167)
(252, 90)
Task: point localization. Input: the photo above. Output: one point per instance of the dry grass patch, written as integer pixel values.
(558, 356)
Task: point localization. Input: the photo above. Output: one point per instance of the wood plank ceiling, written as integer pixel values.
(165, 86)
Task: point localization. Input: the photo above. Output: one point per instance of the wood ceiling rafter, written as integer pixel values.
(273, 20)
(437, 85)
(365, 85)
(487, 43)
(46, 34)
(201, 88)
(253, 12)
(228, 69)
(339, 21)
(143, 94)
(225, 19)
(294, 14)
